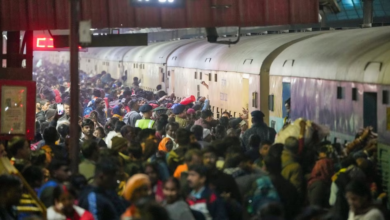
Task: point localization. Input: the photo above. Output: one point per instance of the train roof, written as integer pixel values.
(359, 55)
(247, 56)
(154, 53)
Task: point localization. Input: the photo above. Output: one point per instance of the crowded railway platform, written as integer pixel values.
(195, 110)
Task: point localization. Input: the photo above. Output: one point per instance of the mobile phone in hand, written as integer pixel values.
(60, 109)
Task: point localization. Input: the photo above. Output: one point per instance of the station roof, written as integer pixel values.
(53, 15)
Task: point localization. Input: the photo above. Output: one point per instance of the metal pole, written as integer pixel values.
(367, 13)
(74, 84)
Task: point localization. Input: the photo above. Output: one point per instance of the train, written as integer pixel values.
(338, 78)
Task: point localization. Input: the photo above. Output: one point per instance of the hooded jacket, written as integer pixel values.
(292, 170)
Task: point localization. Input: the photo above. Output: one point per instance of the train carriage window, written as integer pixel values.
(340, 92)
(271, 102)
(134, 65)
(254, 99)
(200, 76)
(215, 78)
(196, 75)
(354, 94)
(210, 77)
(385, 97)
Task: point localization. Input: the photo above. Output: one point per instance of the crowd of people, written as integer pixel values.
(149, 155)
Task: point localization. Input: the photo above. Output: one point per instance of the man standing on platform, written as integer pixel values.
(145, 122)
(260, 128)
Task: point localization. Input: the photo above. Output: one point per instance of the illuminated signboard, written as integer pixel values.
(158, 3)
(47, 44)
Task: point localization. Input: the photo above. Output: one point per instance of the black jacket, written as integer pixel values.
(265, 133)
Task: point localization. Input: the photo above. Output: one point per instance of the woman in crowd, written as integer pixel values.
(64, 208)
(360, 202)
(151, 170)
(177, 208)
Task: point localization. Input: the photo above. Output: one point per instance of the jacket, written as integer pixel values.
(265, 133)
(40, 116)
(79, 213)
(101, 203)
(87, 169)
(131, 118)
(209, 204)
(45, 193)
(182, 122)
(292, 170)
(144, 123)
(202, 123)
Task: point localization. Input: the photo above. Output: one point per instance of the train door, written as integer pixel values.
(370, 116)
(286, 94)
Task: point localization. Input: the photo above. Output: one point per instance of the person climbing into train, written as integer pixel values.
(146, 121)
(260, 128)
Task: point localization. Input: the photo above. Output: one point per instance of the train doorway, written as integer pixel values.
(286, 94)
(370, 106)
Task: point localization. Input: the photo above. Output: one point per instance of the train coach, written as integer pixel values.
(337, 78)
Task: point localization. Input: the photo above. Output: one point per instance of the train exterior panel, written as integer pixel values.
(339, 79)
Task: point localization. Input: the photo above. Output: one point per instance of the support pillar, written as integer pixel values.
(367, 13)
(74, 84)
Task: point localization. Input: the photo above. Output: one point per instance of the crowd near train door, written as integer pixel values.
(370, 104)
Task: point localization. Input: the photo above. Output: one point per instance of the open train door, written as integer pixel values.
(370, 114)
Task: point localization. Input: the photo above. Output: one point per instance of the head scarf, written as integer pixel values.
(134, 183)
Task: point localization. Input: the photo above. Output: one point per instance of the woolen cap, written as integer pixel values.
(178, 109)
(257, 114)
(145, 108)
